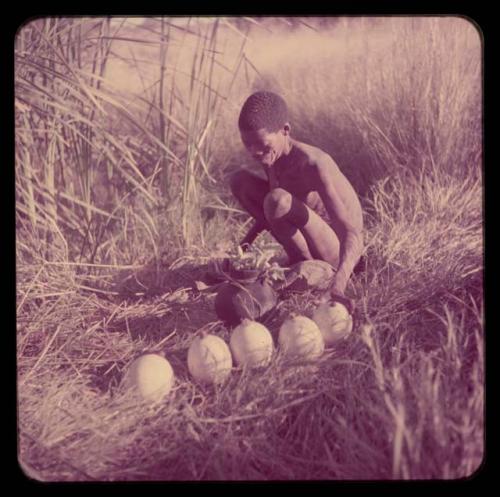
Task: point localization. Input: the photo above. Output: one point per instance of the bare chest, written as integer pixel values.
(299, 182)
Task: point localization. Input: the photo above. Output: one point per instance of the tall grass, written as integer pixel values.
(86, 148)
(125, 133)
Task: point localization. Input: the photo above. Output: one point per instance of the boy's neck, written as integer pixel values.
(288, 147)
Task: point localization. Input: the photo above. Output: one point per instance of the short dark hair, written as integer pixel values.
(263, 109)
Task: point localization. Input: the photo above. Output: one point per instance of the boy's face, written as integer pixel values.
(265, 146)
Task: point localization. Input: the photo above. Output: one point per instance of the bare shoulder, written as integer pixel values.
(306, 150)
(318, 160)
(332, 185)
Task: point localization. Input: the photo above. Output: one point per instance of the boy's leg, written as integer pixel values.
(302, 232)
(250, 191)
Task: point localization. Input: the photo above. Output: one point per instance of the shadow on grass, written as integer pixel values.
(153, 322)
(168, 333)
(159, 310)
(157, 279)
(107, 377)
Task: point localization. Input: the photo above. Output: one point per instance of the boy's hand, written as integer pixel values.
(245, 246)
(251, 236)
(331, 297)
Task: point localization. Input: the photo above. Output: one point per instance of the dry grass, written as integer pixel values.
(103, 276)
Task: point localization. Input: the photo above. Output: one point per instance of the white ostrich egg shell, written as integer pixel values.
(209, 359)
(333, 320)
(151, 376)
(251, 344)
(300, 337)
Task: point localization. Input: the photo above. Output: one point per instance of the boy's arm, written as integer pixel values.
(259, 226)
(350, 237)
(256, 228)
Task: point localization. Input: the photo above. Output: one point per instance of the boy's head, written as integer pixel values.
(264, 126)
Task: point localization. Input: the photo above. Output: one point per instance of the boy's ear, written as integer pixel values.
(286, 129)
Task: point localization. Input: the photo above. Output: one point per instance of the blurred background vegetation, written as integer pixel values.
(126, 131)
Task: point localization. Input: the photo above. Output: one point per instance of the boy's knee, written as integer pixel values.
(277, 203)
(237, 182)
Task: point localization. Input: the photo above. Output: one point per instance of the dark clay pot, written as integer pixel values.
(236, 301)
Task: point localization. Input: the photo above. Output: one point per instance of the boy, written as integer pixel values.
(308, 205)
